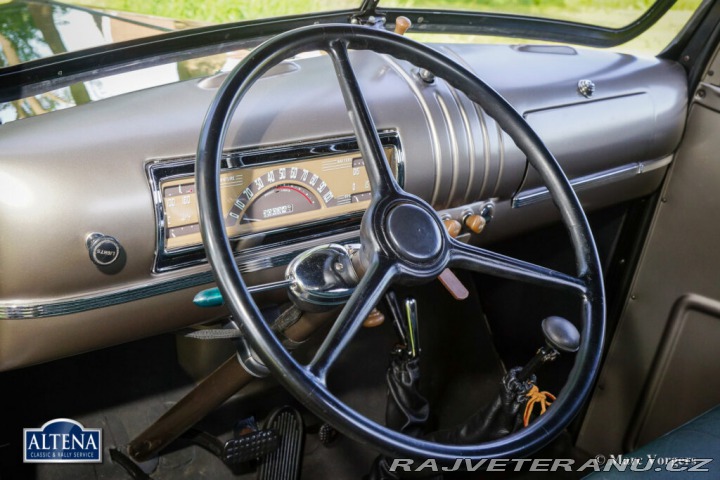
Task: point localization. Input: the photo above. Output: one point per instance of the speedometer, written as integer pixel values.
(281, 200)
(265, 198)
(279, 192)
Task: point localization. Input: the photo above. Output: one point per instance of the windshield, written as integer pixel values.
(32, 29)
(36, 29)
(222, 11)
(606, 13)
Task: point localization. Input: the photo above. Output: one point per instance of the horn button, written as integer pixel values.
(413, 233)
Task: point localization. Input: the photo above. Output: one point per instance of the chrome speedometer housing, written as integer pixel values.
(328, 173)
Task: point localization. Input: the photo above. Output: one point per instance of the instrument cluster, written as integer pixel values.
(265, 192)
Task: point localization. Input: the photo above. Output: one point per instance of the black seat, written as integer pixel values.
(688, 447)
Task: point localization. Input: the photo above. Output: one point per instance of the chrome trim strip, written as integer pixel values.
(401, 71)
(258, 261)
(540, 194)
(265, 287)
(471, 181)
(77, 305)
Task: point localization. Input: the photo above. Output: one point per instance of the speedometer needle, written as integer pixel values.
(287, 187)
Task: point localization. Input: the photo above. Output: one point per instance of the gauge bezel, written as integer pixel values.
(163, 170)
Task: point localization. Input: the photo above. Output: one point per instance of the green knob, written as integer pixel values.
(209, 298)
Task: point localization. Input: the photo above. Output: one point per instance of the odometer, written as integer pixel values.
(278, 201)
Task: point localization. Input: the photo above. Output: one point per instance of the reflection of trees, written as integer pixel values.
(26, 30)
(11, 57)
(17, 28)
(200, 67)
(42, 15)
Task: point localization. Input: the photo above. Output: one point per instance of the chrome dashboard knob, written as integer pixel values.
(104, 250)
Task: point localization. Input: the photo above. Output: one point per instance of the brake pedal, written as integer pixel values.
(285, 462)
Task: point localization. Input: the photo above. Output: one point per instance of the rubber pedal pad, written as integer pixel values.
(250, 446)
(284, 463)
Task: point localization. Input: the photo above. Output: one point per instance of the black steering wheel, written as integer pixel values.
(392, 252)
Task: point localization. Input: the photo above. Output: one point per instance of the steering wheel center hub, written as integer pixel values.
(413, 233)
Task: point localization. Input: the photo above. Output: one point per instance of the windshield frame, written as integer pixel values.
(42, 75)
(526, 27)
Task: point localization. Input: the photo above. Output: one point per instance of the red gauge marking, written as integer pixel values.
(287, 187)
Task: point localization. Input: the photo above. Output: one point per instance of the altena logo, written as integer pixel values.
(62, 441)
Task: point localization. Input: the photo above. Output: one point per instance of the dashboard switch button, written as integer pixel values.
(104, 250)
(453, 227)
(476, 223)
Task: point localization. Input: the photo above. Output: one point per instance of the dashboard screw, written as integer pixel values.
(426, 75)
(586, 88)
(701, 93)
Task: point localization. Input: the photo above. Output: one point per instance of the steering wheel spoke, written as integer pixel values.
(381, 178)
(485, 261)
(367, 294)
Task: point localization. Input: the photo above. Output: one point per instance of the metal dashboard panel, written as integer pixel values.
(636, 113)
(69, 173)
(611, 132)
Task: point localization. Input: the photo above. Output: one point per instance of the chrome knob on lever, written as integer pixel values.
(560, 336)
(406, 323)
(322, 278)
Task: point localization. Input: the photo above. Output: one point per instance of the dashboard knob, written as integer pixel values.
(476, 223)
(402, 24)
(104, 250)
(375, 319)
(561, 335)
(453, 227)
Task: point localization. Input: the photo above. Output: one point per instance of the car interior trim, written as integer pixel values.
(260, 259)
(667, 368)
(388, 242)
(541, 194)
(427, 112)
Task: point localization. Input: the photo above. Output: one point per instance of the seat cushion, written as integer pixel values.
(691, 450)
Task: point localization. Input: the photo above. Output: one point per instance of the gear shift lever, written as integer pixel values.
(560, 336)
(517, 396)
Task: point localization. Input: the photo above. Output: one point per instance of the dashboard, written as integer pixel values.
(122, 168)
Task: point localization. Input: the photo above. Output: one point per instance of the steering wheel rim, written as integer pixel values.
(307, 383)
